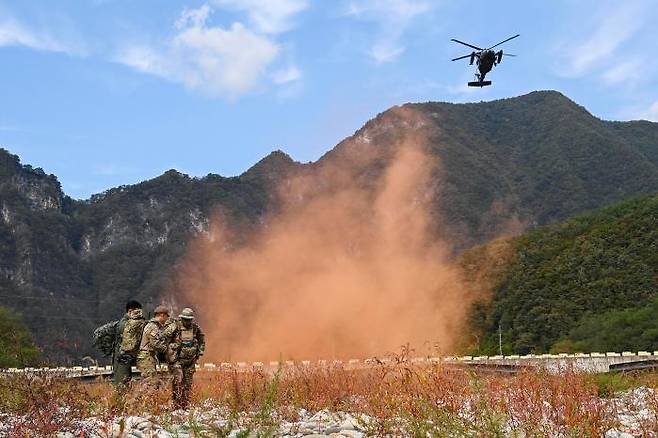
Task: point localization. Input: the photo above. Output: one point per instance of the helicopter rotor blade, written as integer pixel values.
(509, 54)
(510, 38)
(462, 57)
(466, 44)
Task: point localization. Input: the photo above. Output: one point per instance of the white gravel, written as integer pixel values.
(208, 421)
(635, 409)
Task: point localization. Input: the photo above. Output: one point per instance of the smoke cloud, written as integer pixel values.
(350, 265)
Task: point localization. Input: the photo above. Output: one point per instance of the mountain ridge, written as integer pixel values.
(506, 166)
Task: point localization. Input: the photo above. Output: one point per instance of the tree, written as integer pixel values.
(17, 347)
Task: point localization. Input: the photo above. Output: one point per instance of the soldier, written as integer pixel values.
(127, 331)
(186, 345)
(152, 343)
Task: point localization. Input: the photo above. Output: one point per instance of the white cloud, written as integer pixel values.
(193, 17)
(268, 16)
(628, 72)
(610, 30)
(651, 113)
(645, 111)
(210, 59)
(287, 75)
(385, 51)
(389, 11)
(15, 33)
(224, 60)
(289, 82)
(144, 59)
(393, 17)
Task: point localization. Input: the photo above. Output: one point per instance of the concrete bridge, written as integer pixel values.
(552, 363)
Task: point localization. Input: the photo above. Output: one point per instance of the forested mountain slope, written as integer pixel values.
(587, 284)
(505, 166)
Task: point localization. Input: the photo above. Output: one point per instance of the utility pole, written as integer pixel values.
(500, 340)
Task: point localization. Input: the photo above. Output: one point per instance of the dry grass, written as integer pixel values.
(396, 398)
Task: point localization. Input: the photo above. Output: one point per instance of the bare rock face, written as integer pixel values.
(504, 166)
(68, 265)
(39, 193)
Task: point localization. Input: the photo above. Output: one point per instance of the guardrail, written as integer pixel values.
(585, 362)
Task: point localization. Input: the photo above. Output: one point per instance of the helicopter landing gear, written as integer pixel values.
(479, 83)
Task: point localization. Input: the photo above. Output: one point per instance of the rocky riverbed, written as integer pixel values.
(634, 409)
(210, 421)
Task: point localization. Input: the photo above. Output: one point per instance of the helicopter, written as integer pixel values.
(486, 60)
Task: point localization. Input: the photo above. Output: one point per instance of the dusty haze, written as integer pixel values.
(339, 271)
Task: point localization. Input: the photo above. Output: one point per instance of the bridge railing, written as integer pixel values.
(594, 361)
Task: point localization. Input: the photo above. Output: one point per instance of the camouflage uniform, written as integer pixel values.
(186, 344)
(152, 343)
(121, 372)
(129, 332)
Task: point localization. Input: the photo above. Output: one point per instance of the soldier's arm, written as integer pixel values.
(152, 339)
(169, 330)
(201, 339)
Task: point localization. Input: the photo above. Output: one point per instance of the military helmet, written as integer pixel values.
(161, 309)
(186, 313)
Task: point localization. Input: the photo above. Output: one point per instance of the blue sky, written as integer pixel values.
(110, 92)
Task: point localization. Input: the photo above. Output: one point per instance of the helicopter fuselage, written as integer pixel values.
(486, 61)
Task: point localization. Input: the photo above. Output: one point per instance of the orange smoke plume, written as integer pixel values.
(339, 271)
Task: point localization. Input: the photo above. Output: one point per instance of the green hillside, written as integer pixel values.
(588, 284)
(504, 166)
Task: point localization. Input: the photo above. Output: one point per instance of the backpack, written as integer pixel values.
(132, 332)
(104, 338)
